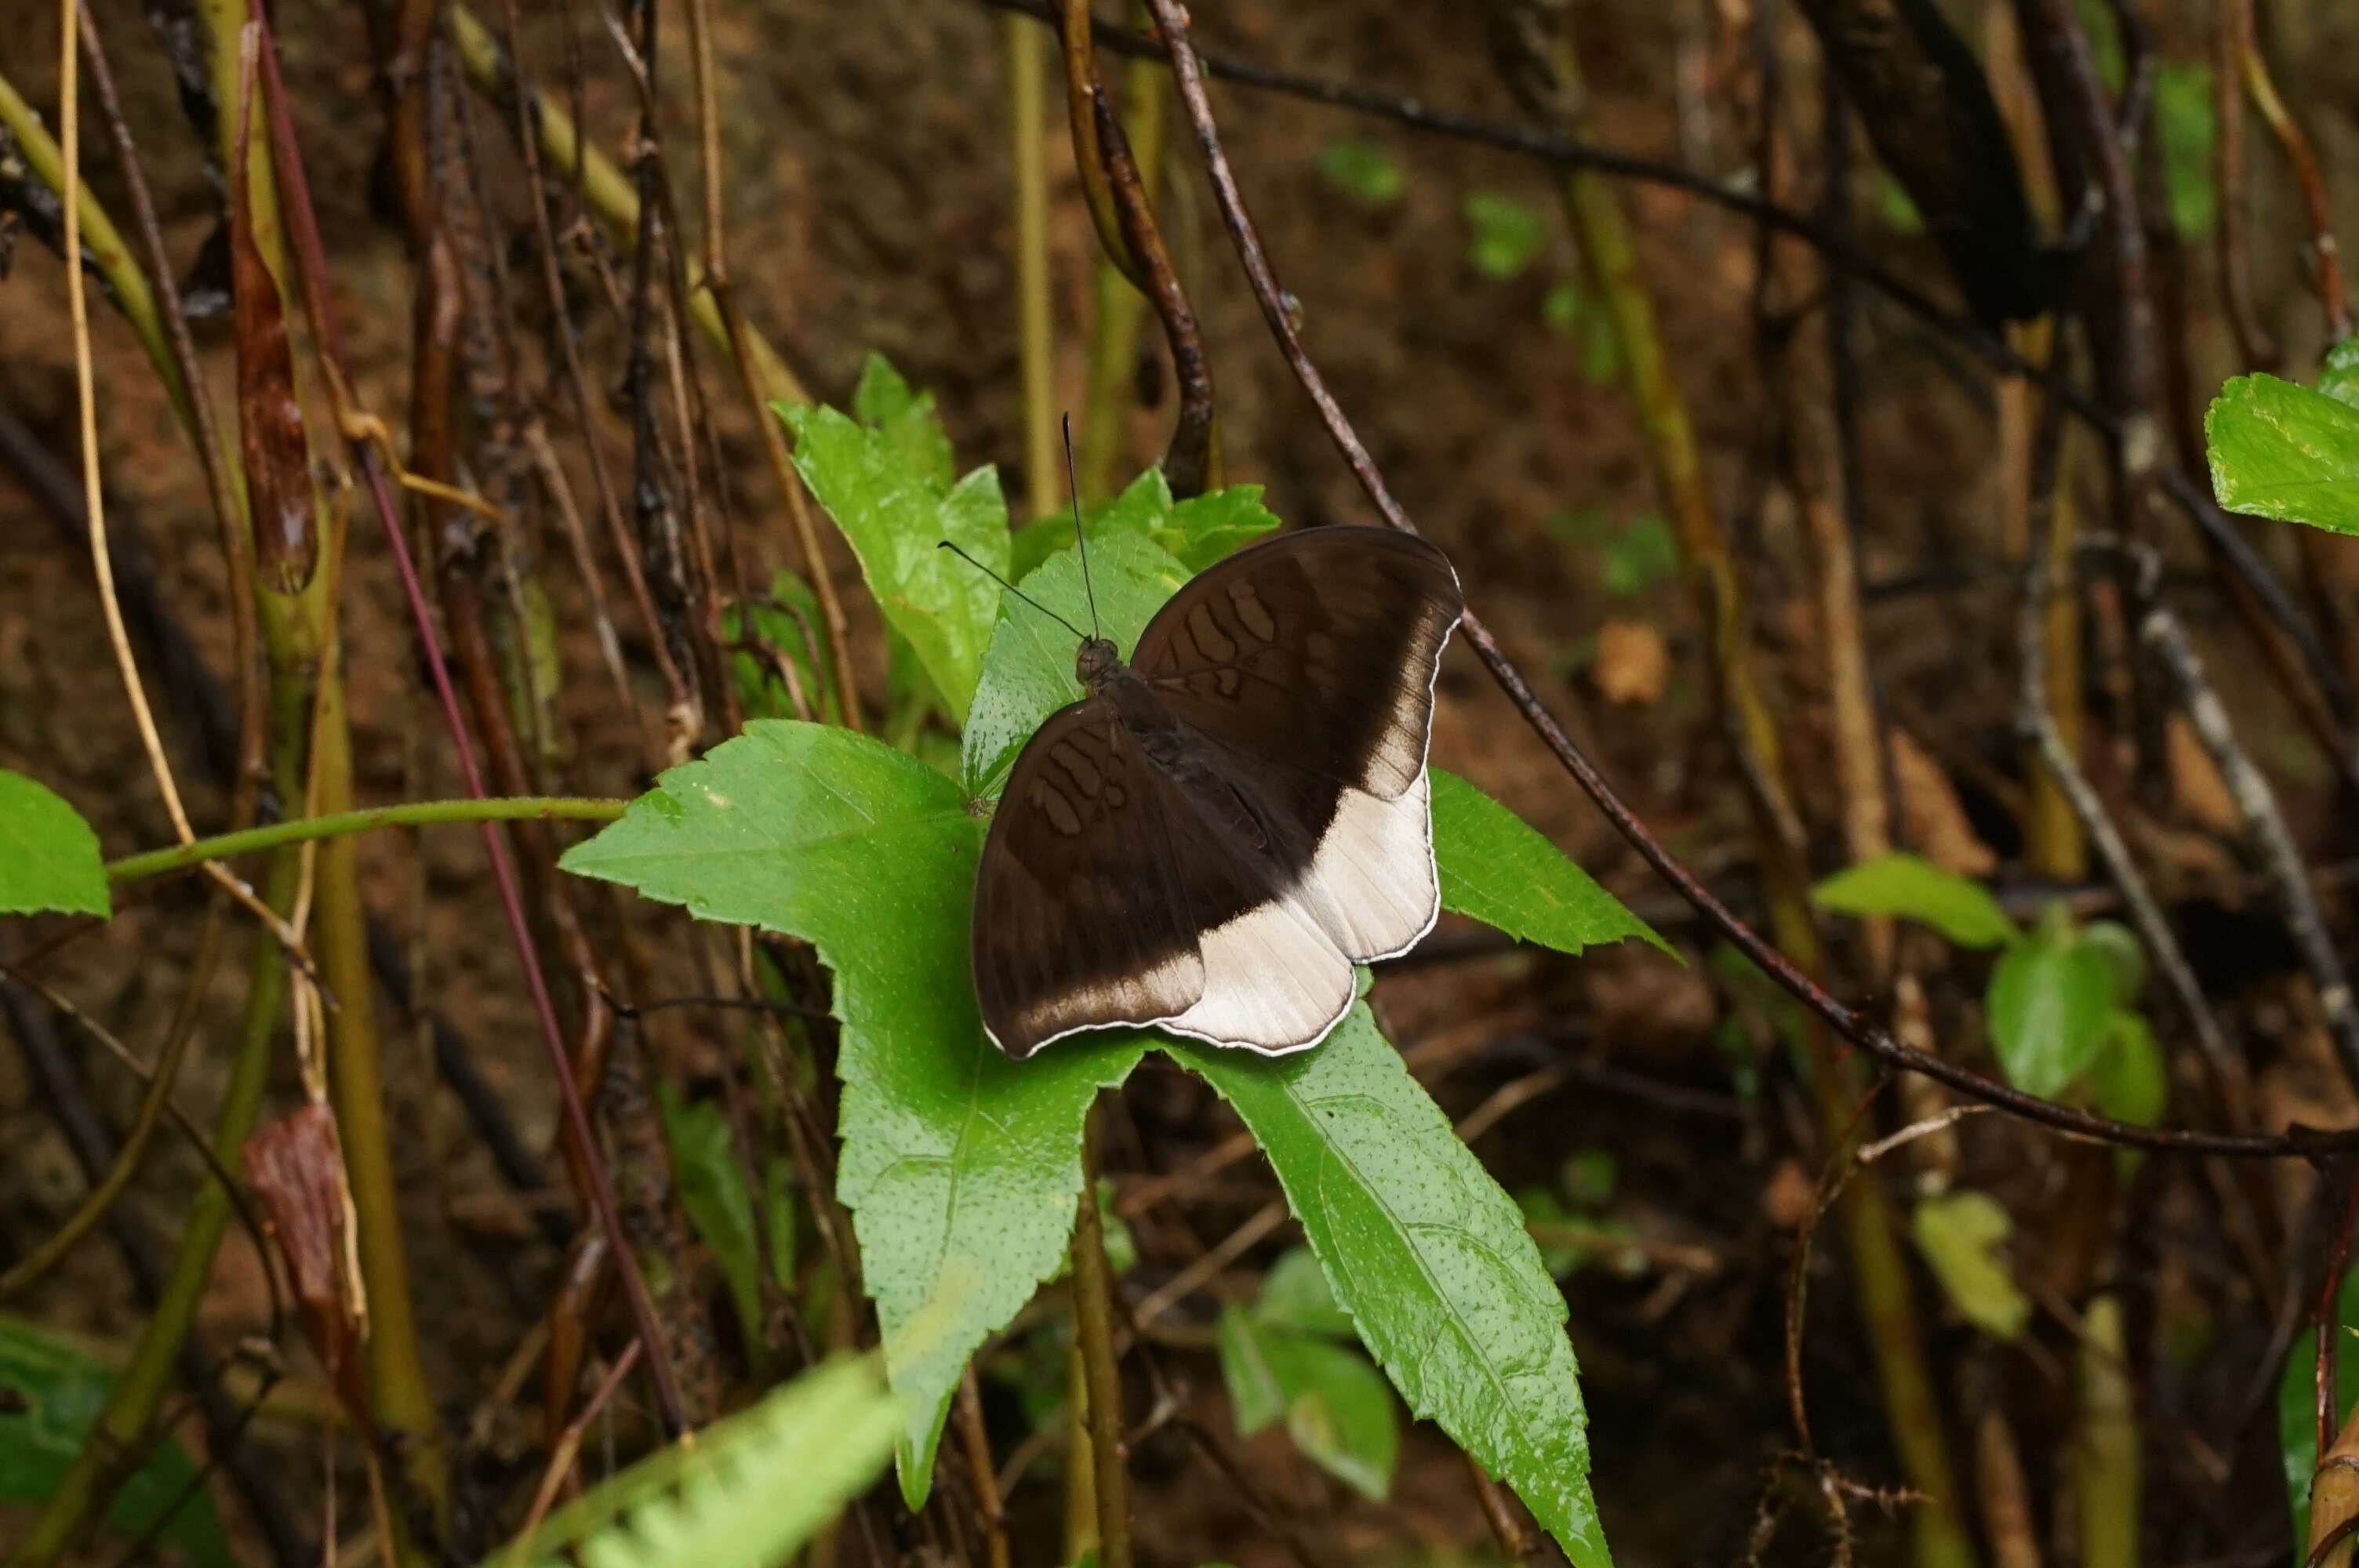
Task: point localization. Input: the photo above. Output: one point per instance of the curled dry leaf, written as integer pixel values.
(297, 1168)
(269, 416)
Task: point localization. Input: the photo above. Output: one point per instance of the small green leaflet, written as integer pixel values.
(2052, 1006)
(2284, 452)
(1915, 888)
(48, 856)
(1363, 169)
(1504, 237)
(1294, 1294)
(1335, 1405)
(895, 516)
(1960, 1234)
(59, 1394)
(1428, 1256)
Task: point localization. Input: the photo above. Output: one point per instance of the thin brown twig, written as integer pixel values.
(2232, 25)
(1137, 249)
(2325, 254)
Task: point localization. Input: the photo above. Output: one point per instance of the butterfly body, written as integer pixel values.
(1215, 834)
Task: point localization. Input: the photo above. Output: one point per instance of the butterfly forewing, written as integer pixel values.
(1223, 880)
(1314, 650)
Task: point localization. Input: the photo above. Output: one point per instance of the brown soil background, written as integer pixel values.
(870, 211)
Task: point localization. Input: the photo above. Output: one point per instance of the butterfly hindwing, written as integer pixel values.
(1310, 658)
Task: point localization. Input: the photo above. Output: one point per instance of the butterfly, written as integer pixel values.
(1212, 837)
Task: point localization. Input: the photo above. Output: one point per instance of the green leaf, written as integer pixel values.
(1504, 236)
(2185, 128)
(895, 514)
(1428, 1256)
(2052, 1004)
(1897, 207)
(1497, 868)
(751, 1489)
(905, 417)
(1335, 1404)
(1203, 528)
(1029, 668)
(2297, 1408)
(713, 1193)
(48, 856)
(1196, 532)
(1915, 888)
(1563, 307)
(1960, 1234)
(1254, 1398)
(962, 1168)
(1340, 1413)
(1361, 168)
(50, 1393)
(2131, 1080)
(2125, 956)
(2284, 452)
(1294, 1295)
(2338, 378)
(1643, 554)
(789, 622)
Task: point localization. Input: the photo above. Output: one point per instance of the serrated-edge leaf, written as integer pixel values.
(48, 856)
(1915, 888)
(1430, 1257)
(896, 516)
(752, 1488)
(962, 1169)
(1500, 870)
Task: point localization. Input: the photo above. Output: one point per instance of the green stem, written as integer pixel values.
(339, 824)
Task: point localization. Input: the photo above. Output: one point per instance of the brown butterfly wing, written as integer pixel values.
(1313, 653)
(1096, 883)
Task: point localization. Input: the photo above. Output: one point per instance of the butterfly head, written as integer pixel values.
(1097, 660)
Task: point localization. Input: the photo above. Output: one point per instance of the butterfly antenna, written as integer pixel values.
(946, 544)
(1080, 539)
